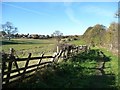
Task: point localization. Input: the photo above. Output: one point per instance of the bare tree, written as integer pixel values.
(9, 29)
(57, 34)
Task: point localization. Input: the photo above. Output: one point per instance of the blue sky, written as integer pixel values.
(71, 18)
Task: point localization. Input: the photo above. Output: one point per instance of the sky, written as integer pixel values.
(70, 18)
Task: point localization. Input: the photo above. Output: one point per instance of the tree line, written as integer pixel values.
(10, 31)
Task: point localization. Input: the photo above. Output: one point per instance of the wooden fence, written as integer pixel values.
(17, 74)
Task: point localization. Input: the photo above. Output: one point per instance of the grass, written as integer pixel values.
(113, 64)
(77, 42)
(114, 60)
(77, 72)
(25, 46)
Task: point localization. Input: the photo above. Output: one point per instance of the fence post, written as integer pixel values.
(59, 55)
(9, 69)
(63, 54)
(57, 49)
(40, 61)
(54, 57)
(17, 66)
(4, 66)
(10, 64)
(12, 53)
(26, 65)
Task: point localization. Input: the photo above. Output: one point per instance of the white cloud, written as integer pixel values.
(70, 12)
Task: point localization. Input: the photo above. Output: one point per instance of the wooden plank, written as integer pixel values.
(18, 79)
(17, 66)
(14, 82)
(3, 68)
(24, 59)
(26, 65)
(16, 70)
(17, 75)
(58, 56)
(4, 56)
(40, 60)
(55, 55)
(12, 57)
(8, 75)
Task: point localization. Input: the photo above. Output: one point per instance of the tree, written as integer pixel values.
(9, 29)
(3, 33)
(117, 14)
(57, 34)
(113, 34)
(47, 36)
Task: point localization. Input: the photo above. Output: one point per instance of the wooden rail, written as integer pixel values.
(10, 75)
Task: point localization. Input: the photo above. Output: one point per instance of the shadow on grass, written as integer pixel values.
(91, 55)
(77, 72)
(6, 42)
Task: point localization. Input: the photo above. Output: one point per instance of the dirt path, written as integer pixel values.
(100, 68)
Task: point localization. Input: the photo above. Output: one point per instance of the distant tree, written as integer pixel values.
(52, 35)
(47, 36)
(16, 35)
(113, 34)
(3, 33)
(9, 29)
(58, 35)
(35, 36)
(117, 14)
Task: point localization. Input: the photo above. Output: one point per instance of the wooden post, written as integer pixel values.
(57, 49)
(4, 66)
(12, 51)
(40, 60)
(64, 54)
(10, 64)
(17, 66)
(58, 55)
(54, 55)
(26, 65)
(9, 69)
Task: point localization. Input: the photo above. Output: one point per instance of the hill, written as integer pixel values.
(101, 36)
(94, 34)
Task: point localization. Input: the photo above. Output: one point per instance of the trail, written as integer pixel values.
(100, 68)
(99, 72)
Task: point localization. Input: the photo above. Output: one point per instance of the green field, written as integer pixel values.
(25, 46)
(77, 72)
